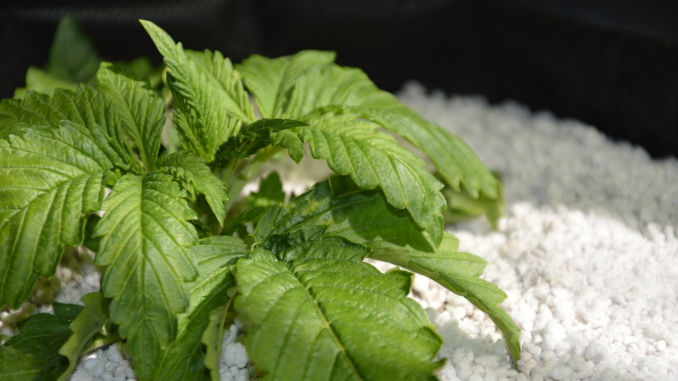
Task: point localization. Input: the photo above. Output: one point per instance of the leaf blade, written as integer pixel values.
(270, 79)
(141, 110)
(397, 239)
(350, 90)
(317, 333)
(145, 236)
(211, 290)
(372, 158)
(33, 353)
(84, 327)
(207, 114)
(58, 173)
(194, 171)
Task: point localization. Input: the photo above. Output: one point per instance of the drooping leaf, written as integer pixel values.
(72, 56)
(372, 158)
(335, 88)
(458, 272)
(33, 354)
(89, 322)
(271, 79)
(367, 219)
(184, 359)
(328, 319)
(145, 240)
(193, 170)
(50, 179)
(142, 112)
(454, 160)
(207, 94)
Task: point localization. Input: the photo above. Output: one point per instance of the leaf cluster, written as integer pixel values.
(182, 254)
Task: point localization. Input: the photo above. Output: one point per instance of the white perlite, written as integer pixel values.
(233, 364)
(104, 365)
(587, 253)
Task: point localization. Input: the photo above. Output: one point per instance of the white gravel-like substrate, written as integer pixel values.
(587, 253)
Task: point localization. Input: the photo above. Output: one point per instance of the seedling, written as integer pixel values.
(182, 255)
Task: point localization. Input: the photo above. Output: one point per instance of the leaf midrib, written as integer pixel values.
(326, 323)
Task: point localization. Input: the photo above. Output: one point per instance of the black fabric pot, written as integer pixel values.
(612, 64)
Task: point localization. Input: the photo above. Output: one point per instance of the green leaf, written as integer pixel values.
(458, 272)
(461, 206)
(195, 172)
(212, 338)
(355, 147)
(270, 192)
(72, 56)
(322, 319)
(141, 110)
(145, 240)
(255, 136)
(332, 87)
(221, 70)
(43, 82)
(454, 160)
(397, 239)
(208, 95)
(184, 359)
(50, 179)
(86, 108)
(89, 322)
(33, 353)
(271, 79)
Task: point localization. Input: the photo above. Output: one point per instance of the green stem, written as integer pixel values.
(98, 343)
(243, 175)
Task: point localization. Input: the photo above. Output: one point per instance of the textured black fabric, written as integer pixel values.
(613, 64)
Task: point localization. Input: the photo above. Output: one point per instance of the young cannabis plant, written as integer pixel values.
(182, 256)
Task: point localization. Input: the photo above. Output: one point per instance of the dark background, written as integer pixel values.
(612, 64)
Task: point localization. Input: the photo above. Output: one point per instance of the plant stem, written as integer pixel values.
(238, 178)
(98, 343)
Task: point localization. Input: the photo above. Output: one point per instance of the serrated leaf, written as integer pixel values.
(208, 95)
(271, 79)
(327, 319)
(458, 272)
(72, 56)
(255, 136)
(141, 110)
(185, 358)
(367, 219)
(145, 240)
(50, 179)
(33, 353)
(85, 108)
(194, 171)
(221, 70)
(348, 89)
(371, 158)
(454, 160)
(84, 327)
